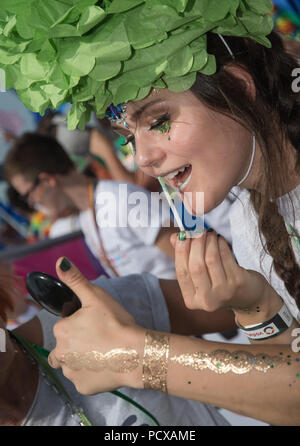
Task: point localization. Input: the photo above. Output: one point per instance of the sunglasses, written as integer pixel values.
(52, 294)
(25, 197)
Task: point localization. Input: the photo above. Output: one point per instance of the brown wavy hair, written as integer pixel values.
(274, 117)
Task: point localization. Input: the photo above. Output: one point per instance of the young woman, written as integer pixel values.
(233, 124)
(211, 133)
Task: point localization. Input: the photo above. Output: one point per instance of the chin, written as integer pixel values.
(198, 204)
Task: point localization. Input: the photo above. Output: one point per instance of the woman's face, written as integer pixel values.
(175, 131)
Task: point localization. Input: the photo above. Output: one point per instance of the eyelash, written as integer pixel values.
(130, 141)
(162, 120)
(157, 125)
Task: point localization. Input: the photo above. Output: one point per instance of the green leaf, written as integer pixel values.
(75, 114)
(15, 80)
(211, 66)
(200, 60)
(124, 92)
(159, 83)
(73, 62)
(7, 59)
(34, 99)
(118, 6)
(102, 100)
(179, 5)
(58, 78)
(55, 95)
(105, 70)
(108, 42)
(47, 52)
(260, 7)
(257, 25)
(85, 90)
(212, 10)
(179, 84)
(10, 25)
(63, 30)
(91, 17)
(180, 63)
(143, 92)
(32, 68)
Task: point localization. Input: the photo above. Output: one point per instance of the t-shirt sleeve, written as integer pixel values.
(139, 294)
(138, 211)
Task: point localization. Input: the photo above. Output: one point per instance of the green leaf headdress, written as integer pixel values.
(93, 53)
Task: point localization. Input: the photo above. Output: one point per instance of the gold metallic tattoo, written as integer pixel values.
(222, 361)
(118, 360)
(155, 361)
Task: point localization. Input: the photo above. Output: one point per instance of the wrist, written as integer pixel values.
(268, 305)
(135, 337)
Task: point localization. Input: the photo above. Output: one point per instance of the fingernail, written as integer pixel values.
(65, 264)
(210, 230)
(182, 236)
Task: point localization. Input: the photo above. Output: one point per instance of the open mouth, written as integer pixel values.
(180, 178)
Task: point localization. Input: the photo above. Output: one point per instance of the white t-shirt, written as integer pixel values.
(247, 245)
(142, 297)
(130, 248)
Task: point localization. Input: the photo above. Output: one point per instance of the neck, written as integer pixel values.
(16, 398)
(75, 186)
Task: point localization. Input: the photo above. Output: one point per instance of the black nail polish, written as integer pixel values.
(210, 230)
(65, 264)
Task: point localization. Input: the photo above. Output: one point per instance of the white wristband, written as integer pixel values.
(270, 328)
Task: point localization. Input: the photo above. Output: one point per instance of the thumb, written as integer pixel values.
(72, 277)
(173, 239)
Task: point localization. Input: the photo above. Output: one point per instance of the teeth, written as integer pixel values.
(172, 175)
(176, 172)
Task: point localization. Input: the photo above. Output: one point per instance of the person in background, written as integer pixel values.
(42, 172)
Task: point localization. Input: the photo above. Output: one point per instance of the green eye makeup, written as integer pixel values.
(162, 125)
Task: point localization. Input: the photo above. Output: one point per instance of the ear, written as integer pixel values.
(48, 178)
(243, 75)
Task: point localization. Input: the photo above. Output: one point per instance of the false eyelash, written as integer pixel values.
(160, 121)
(130, 141)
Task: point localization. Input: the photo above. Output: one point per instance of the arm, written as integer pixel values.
(193, 322)
(272, 396)
(265, 387)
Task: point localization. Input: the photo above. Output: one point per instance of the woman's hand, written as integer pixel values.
(210, 278)
(87, 341)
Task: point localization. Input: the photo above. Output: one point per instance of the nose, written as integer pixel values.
(148, 156)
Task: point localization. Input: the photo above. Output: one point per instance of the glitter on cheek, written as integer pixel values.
(117, 360)
(222, 361)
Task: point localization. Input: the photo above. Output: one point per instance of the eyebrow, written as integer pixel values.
(137, 113)
(144, 107)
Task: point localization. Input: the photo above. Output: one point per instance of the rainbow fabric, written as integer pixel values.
(286, 16)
